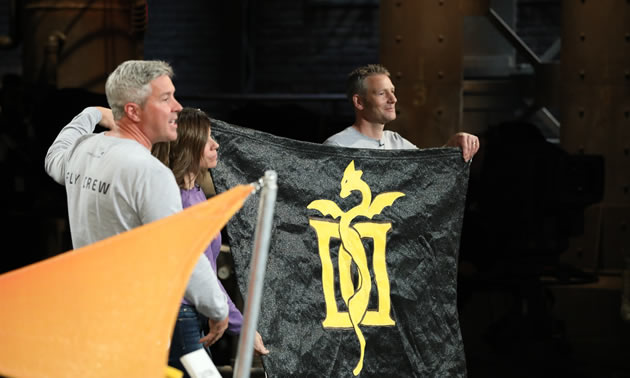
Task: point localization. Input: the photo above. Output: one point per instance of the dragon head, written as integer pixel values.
(351, 180)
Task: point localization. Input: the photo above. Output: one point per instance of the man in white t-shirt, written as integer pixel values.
(373, 96)
(114, 184)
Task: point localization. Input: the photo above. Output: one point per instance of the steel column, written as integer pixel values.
(421, 45)
(595, 116)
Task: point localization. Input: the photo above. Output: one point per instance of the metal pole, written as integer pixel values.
(513, 38)
(258, 264)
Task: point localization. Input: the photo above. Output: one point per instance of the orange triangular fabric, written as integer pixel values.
(107, 309)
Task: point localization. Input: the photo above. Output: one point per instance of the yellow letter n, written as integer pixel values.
(327, 230)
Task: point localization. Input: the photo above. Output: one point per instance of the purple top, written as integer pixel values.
(190, 198)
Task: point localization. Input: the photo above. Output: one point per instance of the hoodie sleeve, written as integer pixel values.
(203, 291)
(59, 152)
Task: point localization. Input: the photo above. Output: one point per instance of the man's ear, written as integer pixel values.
(132, 111)
(357, 101)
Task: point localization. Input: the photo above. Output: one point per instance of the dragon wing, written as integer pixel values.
(326, 207)
(381, 201)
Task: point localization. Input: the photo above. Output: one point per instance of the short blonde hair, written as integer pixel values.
(131, 82)
(356, 79)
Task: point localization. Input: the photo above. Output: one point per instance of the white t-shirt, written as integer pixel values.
(114, 185)
(351, 137)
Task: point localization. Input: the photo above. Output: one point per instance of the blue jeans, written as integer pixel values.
(186, 334)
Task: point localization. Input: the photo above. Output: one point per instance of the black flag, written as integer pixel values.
(361, 278)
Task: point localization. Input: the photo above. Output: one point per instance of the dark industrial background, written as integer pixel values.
(545, 84)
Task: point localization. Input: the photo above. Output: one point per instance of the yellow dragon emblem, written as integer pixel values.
(351, 248)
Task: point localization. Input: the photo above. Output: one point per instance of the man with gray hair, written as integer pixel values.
(113, 182)
(372, 94)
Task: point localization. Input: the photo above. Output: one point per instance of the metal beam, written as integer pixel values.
(512, 37)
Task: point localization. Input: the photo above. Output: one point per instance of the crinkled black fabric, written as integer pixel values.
(421, 254)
